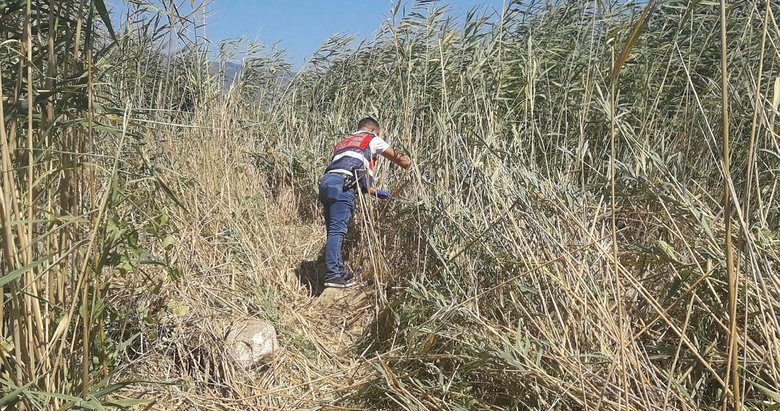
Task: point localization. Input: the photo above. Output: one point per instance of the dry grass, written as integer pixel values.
(560, 243)
(244, 254)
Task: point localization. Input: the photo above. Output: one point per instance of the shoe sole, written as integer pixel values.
(339, 285)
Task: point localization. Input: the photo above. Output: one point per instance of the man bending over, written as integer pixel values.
(350, 169)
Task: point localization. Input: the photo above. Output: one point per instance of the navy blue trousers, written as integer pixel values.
(338, 205)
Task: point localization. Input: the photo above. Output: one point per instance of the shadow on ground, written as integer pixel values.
(311, 275)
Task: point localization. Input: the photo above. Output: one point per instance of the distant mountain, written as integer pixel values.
(230, 71)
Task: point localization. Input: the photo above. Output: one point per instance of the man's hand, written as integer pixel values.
(378, 193)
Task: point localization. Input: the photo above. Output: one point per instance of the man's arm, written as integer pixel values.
(397, 158)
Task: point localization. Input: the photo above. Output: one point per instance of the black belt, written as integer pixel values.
(350, 183)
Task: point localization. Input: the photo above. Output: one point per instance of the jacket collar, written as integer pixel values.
(365, 131)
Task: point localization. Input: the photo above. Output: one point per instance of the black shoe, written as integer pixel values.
(344, 281)
(348, 275)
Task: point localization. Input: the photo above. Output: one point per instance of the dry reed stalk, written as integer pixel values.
(613, 209)
(733, 353)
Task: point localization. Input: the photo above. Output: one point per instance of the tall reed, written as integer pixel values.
(64, 188)
(512, 296)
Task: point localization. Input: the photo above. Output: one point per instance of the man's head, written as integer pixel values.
(369, 124)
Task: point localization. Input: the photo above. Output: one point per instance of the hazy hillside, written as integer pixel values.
(228, 71)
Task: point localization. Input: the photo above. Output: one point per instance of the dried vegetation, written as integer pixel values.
(572, 234)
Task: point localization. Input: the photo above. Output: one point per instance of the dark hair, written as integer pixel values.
(368, 122)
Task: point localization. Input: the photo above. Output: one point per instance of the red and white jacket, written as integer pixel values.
(352, 157)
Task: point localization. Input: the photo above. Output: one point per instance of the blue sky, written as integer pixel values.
(300, 26)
